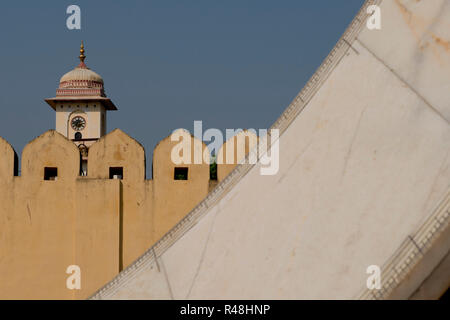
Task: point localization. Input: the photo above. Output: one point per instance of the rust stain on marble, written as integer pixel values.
(441, 42)
(415, 23)
(425, 40)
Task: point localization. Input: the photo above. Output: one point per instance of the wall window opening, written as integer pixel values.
(180, 174)
(78, 136)
(213, 171)
(84, 166)
(116, 173)
(50, 174)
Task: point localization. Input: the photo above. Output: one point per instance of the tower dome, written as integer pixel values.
(81, 84)
(80, 73)
(81, 81)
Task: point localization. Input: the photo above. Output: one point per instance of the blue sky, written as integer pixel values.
(229, 63)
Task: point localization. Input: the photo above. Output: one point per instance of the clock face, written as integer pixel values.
(78, 123)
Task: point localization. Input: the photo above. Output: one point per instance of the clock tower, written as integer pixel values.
(80, 106)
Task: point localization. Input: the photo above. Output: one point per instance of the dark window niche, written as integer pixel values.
(50, 174)
(213, 171)
(116, 173)
(180, 174)
(78, 136)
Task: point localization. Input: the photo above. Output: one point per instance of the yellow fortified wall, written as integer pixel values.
(48, 225)
(52, 218)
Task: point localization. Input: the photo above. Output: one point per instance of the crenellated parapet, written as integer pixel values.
(117, 155)
(8, 161)
(117, 152)
(51, 156)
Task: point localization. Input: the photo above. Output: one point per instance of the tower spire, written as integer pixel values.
(82, 56)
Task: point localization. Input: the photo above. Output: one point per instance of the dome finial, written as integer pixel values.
(82, 56)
